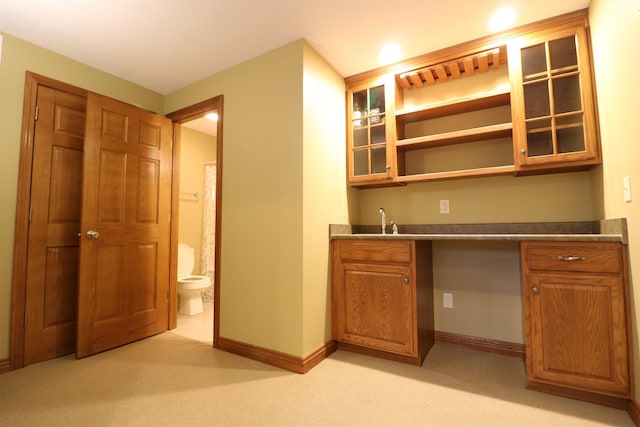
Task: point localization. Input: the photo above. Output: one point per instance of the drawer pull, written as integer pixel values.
(571, 258)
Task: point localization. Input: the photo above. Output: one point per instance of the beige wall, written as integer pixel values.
(615, 31)
(279, 193)
(18, 57)
(324, 199)
(196, 149)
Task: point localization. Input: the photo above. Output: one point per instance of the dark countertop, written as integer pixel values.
(614, 230)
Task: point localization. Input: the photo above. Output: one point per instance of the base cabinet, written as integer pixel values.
(375, 294)
(576, 320)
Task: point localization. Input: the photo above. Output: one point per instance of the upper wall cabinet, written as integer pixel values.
(370, 122)
(516, 103)
(552, 100)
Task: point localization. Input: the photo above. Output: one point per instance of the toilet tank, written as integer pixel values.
(186, 260)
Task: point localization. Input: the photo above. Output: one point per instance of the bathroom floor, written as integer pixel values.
(198, 327)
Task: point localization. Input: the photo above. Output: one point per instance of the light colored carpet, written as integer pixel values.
(178, 379)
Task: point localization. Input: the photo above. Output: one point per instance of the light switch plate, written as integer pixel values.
(626, 188)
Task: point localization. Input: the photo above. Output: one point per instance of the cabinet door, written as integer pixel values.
(370, 121)
(375, 307)
(576, 331)
(552, 100)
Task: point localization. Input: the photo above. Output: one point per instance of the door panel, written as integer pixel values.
(124, 272)
(51, 284)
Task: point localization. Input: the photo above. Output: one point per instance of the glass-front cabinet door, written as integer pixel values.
(369, 122)
(552, 100)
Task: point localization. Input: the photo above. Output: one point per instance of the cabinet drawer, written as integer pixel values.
(605, 258)
(374, 251)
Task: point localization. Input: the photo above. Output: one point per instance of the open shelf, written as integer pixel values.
(456, 137)
(449, 107)
(463, 173)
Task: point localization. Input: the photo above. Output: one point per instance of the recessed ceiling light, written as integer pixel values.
(212, 117)
(502, 19)
(389, 54)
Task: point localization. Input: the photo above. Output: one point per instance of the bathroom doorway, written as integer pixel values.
(198, 139)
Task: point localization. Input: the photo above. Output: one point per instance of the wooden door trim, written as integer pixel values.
(178, 117)
(19, 280)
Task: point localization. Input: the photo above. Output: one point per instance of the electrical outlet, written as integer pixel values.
(447, 300)
(444, 206)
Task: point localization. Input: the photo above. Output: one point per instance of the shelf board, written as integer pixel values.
(465, 173)
(483, 133)
(456, 106)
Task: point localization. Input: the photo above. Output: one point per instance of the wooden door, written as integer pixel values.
(51, 281)
(376, 307)
(577, 331)
(126, 201)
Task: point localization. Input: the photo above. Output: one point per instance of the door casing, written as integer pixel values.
(178, 117)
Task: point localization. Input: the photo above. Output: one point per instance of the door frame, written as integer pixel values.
(178, 117)
(20, 247)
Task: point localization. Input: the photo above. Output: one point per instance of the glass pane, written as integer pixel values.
(361, 162)
(359, 104)
(566, 94)
(360, 137)
(570, 134)
(534, 62)
(563, 54)
(536, 100)
(378, 134)
(376, 100)
(539, 138)
(378, 160)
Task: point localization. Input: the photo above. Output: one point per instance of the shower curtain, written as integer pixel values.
(208, 226)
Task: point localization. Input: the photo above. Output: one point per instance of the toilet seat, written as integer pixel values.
(194, 282)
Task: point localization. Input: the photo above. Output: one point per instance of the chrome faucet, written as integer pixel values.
(394, 227)
(383, 216)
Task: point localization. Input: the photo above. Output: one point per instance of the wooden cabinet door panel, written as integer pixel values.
(376, 307)
(577, 331)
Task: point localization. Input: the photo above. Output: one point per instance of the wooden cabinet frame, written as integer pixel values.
(382, 298)
(454, 63)
(577, 331)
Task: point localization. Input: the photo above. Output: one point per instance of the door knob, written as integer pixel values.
(92, 235)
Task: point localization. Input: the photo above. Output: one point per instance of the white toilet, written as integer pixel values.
(190, 287)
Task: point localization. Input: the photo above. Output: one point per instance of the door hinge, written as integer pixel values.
(37, 113)
(25, 320)
(30, 214)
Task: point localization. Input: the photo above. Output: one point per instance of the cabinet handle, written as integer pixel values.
(571, 258)
(535, 290)
(405, 280)
(523, 151)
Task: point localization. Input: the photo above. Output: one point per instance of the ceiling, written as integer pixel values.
(165, 45)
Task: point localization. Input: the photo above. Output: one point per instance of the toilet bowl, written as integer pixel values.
(190, 286)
